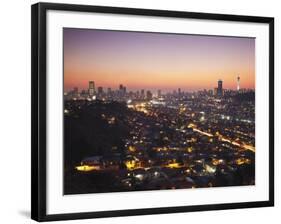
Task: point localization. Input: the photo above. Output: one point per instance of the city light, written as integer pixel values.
(87, 168)
(169, 137)
(153, 111)
(174, 165)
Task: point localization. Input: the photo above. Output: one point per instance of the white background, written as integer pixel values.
(15, 109)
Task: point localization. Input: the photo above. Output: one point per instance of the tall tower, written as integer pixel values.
(148, 95)
(159, 93)
(120, 87)
(220, 90)
(238, 83)
(142, 94)
(100, 90)
(91, 88)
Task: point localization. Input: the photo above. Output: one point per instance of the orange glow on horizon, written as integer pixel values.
(138, 81)
(156, 61)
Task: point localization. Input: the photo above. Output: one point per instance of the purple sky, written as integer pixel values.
(156, 61)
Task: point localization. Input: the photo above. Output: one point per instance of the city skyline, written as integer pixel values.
(194, 62)
(93, 88)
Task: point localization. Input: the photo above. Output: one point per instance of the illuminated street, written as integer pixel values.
(143, 142)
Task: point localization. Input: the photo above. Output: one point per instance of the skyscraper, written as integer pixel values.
(142, 94)
(148, 95)
(100, 90)
(215, 91)
(159, 93)
(122, 90)
(220, 89)
(120, 87)
(238, 83)
(91, 88)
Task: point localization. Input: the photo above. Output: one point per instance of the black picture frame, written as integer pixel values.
(38, 108)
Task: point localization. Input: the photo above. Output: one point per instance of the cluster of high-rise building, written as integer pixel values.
(119, 94)
(122, 94)
(219, 91)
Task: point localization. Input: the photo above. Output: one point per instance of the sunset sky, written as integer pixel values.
(154, 61)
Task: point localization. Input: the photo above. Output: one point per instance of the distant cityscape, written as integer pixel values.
(120, 140)
(121, 93)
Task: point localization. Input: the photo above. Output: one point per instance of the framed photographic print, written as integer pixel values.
(140, 111)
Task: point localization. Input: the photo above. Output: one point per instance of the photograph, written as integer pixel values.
(157, 111)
